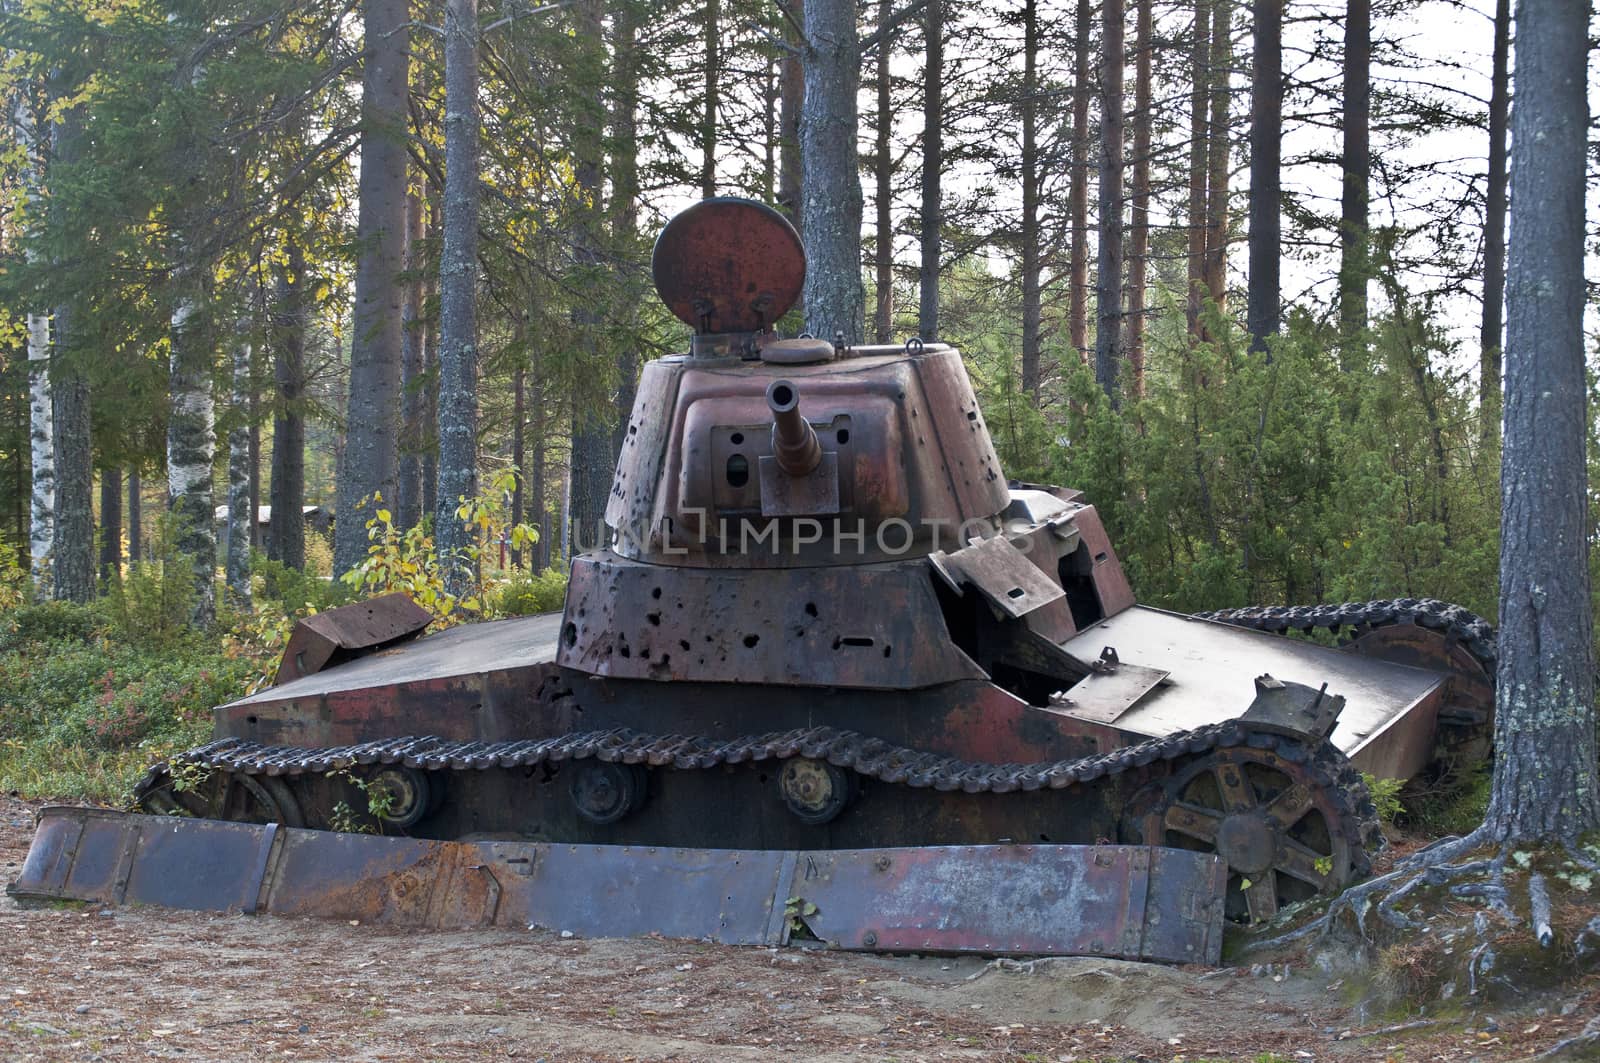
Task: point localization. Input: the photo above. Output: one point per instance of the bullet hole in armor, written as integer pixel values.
(738, 470)
(736, 438)
(251, 720)
(569, 635)
(888, 650)
(852, 640)
(683, 644)
(708, 638)
(656, 593)
(654, 618)
(811, 608)
(750, 641)
(972, 415)
(844, 436)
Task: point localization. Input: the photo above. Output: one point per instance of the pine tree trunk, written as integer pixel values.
(191, 446)
(409, 503)
(538, 485)
(883, 199)
(831, 200)
(1199, 93)
(110, 525)
(430, 362)
(932, 167)
(792, 95)
(1353, 268)
(1139, 254)
(73, 552)
(253, 437)
(372, 421)
(1494, 233)
(1545, 785)
(458, 296)
(519, 417)
(1031, 256)
(241, 517)
(1078, 193)
(1108, 292)
(286, 534)
(135, 516)
(1266, 135)
(591, 437)
(1219, 144)
(625, 209)
(708, 119)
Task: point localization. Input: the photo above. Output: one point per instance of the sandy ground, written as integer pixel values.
(92, 984)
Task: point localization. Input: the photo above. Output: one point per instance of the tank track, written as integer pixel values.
(870, 757)
(1473, 632)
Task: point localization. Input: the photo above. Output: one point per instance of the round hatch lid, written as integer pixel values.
(728, 265)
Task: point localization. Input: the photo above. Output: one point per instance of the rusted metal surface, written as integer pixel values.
(1004, 575)
(1126, 901)
(728, 265)
(347, 632)
(1112, 688)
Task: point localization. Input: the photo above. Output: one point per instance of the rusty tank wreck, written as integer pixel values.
(834, 676)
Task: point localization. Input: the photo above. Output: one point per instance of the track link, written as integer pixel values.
(1473, 632)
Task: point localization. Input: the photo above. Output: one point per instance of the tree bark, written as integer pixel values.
(1219, 144)
(1494, 233)
(409, 501)
(591, 438)
(831, 200)
(625, 208)
(458, 297)
(41, 437)
(110, 524)
(708, 119)
(191, 445)
(241, 516)
(883, 199)
(1353, 267)
(1263, 309)
(1078, 193)
(1139, 256)
(373, 415)
(1545, 785)
(932, 167)
(1199, 93)
(73, 554)
(1108, 294)
(519, 417)
(792, 94)
(286, 535)
(135, 516)
(1032, 311)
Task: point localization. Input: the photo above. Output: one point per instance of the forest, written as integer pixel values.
(1235, 271)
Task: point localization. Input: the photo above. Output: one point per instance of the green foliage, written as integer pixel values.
(1385, 794)
(526, 593)
(84, 708)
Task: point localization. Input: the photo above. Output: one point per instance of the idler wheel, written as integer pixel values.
(1287, 830)
(814, 790)
(605, 793)
(405, 796)
(230, 796)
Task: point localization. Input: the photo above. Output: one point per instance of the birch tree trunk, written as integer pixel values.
(73, 553)
(831, 200)
(372, 419)
(41, 436)
(286, 534)
(932, 167)
(1078, 192)
(1139, 256)
(1266, 136)
(1108, 293)
(458, 292)
(1494, 233)
(241, 516)
(1545, 785)
(1032, 311)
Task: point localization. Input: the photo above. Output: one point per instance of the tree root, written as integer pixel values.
(1432, 866)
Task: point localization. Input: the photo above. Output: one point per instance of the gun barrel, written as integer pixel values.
(794, 441)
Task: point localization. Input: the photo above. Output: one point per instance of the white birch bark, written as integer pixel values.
(241, 515)
(191, 430)
(41, 421)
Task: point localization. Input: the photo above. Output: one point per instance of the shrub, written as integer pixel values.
(531, 592)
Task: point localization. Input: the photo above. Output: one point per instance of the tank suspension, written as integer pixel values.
(794, 441)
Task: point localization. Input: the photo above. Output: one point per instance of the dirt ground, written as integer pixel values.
(93, 984)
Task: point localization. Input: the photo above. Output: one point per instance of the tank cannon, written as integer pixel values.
(831, 654)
